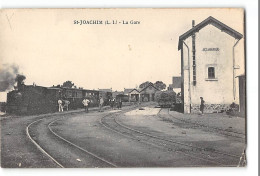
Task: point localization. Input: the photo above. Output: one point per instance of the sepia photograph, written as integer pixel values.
(123, 88)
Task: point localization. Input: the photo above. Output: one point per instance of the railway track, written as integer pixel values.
(72, 145)
(65, 141)
(38, 146)
(110, 121)
(238, 136)
(214, 158)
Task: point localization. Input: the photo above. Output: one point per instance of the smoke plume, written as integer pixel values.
(8, 77)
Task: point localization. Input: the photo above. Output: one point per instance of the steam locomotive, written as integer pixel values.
(31, 99)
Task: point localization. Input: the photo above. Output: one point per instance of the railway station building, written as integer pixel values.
(148, 93)
(134, 95)
(145, 94)
(208, 66)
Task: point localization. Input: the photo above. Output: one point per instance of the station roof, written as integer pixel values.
(214, 22)
(151, 84)
(133, 90)
(126, 91)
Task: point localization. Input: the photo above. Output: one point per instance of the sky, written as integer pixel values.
(50, 49)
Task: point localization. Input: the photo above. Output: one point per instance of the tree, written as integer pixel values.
(160, 85)
(68, 84)
(145, 84)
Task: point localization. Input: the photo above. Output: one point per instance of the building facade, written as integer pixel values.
(145, 94)
(208, 66)
(134, 95)
(149, 93)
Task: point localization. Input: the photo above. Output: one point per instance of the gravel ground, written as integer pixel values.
(86, 131)
(219, 120)
(17, 151)
(169, 128)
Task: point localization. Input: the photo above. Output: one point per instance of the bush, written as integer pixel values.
(233, 108)
(166, 98)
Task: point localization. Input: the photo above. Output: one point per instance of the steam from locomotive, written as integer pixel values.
(9, 75)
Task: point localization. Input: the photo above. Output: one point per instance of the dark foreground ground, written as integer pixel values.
(130, 137)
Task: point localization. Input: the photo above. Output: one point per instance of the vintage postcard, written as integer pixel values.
(84, 88)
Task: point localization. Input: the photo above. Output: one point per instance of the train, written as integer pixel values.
(32, 99)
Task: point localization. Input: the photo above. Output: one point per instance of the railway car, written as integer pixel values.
(74, 96)
(124, 98)
(33, 100)
(106, 96)
(93, 96)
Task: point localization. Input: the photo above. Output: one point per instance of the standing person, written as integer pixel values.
(66, 104)
(112, 103)
(101, 102)
(60, 105)
(202, 105)
(119, 103)
(86, 102)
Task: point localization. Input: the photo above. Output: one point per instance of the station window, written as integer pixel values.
(211, 72)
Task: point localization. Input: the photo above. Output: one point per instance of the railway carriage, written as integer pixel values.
(93, 96)
(74, 96)
(31, 99)
(106, 96)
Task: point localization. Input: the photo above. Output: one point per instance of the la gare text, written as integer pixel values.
(105, 22)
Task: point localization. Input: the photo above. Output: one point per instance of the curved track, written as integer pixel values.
(38, 146)
(70, 146)
(112, 123)
(80, 148)
(217, 158)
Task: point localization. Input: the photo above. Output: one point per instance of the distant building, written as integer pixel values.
(208, 61)
(148, 93)
(126, 91)
(145, 94)
(176, 84)
(115, 93)
(134, 95)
